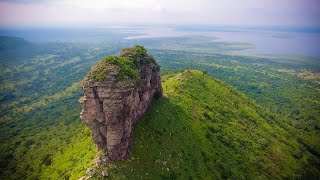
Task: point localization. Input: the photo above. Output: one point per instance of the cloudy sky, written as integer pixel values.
(212, 12)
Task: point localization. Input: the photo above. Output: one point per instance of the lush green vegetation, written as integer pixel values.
(47, 142)
(41, 134)
(204, 128)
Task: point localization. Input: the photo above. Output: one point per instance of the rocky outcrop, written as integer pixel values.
(117, 92)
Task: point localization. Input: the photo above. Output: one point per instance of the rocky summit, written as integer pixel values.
(117, 92)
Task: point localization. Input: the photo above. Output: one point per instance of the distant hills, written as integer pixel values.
(18, 50)
(7, 43)
(15, 49)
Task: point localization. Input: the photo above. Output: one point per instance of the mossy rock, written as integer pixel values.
(129, 62)
(139, 54)
(136, 52)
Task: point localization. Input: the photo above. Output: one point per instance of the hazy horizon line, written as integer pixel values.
(163, 25)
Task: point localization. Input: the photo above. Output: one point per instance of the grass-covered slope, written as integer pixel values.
(273, 85)
(204, 128)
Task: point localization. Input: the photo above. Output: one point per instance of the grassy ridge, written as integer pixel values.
(204, 128)
(295, 99)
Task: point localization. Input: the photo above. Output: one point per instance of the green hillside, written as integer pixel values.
(204, 128)
(208, 128)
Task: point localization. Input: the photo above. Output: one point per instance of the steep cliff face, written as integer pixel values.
(117, 92)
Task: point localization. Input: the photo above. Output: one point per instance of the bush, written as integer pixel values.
(129, 61)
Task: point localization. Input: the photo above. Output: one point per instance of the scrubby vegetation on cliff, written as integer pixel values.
(128, 62)
(127, 68)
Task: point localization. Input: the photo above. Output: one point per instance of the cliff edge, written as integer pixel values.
(117, 92)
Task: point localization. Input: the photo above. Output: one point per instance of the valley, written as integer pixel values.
(265, 126)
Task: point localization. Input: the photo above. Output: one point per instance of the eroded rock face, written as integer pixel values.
(110, 107)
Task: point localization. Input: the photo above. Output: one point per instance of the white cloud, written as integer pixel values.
(261, 12)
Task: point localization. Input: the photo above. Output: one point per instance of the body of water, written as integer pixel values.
(265, 42)
(269, 41)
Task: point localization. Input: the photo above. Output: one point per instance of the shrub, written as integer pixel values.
(128, 62)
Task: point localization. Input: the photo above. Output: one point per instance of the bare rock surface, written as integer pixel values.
(117, 92)
(105, 173)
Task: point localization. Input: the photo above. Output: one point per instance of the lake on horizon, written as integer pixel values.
(265, 42)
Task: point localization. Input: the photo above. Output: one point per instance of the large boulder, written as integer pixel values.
(117, 92)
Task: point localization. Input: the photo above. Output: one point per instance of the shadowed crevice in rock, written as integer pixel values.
(112, 104)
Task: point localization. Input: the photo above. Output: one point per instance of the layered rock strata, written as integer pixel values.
(115, 98)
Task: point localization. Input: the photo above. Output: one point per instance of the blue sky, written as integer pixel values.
(209, 12)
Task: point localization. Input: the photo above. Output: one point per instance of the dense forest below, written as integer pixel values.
(42, 136)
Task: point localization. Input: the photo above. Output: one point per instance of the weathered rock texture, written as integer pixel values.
(111, 106)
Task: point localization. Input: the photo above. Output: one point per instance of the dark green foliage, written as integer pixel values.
(47, 160)
(29, 143)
